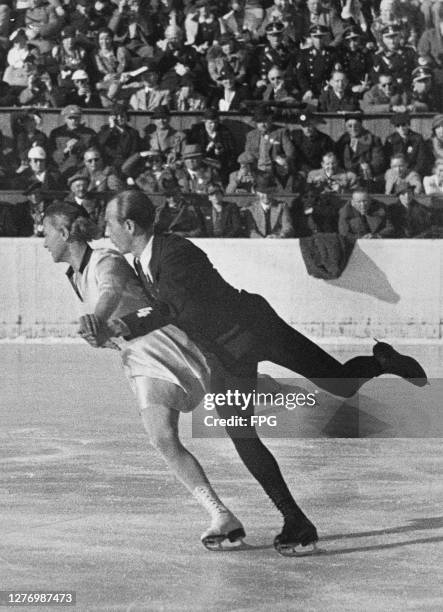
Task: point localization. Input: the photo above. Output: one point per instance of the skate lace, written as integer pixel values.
(211, 503)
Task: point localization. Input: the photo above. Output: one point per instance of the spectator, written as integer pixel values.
(79, 196)
(320, 213)
(26, 135)
(202, 26)
(384, 97)
(118, 140)
(361, 152)
(363, 217)
(278, 89)
(38, 171)
(271, 147)
(331, 178)
(435, 145)
(216, 140)
(243, 180)
(186, 98)
(315, 64)
(134, 27)
(69, 56)
(423, 94)
(82, 93)
(310, 143)
(266, 217)
(243, 16)
(409, 218)
(28, 215)
(232, 95)
(407, 142)
(149, 95)
(161, 136)
(394, 57)
(20, 59)
(434, 184)
(101, 178)
(197, 173)
(178, 216)
(39, 90)
(42, 23)
(355, 60)
(399, 175)
(227, 55)
(223, 219)
(337, 97)
(322, 15)
(275, 52)
(146, 169)
(110, 62)
(68, 142)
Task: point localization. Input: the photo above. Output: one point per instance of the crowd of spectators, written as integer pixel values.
(256, 57)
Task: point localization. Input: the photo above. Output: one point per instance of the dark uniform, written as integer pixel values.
(310, 150)
(356, 64)
(412, 147)
(314, 66)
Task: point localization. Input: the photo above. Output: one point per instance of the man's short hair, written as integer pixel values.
(137, 206)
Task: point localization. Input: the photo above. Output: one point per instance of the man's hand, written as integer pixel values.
(93, 330)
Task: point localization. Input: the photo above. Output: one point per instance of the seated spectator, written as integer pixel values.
(409, 218)
(110, 62)
(384, 97)
(315, 64)
(161, 136)
(435, 144)
(82, 92)
(69, 55)
(275, 52)
(117, 139)
(26, 135)
(202, 25)
(278, 88)
(331, 178)
(216, 140)
(407, 142)
(361, 152)
(39, 90)
(395, 57)
(101, 178)
(310, 143)
(231, 95)
(134, 27)
(242, 16)
(227, 55)
(363, 217)
(266, 217)
(243, 180)
(197, 172)
(338, 97)
(271, 147)
(38, 171)
(223, 220)
(20, 59)
(186, 98)
(355, 59)
(68, 142)
(147, 170)
(28, 215)
(324, 15)
(430, 47)
(79, 195)
(43, 22)
(149, 95)
(179, 216)
(423, 95)
(434, 184)
(400, 176)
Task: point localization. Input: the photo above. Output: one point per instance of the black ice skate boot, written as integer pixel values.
(298, 531)
(404, 366)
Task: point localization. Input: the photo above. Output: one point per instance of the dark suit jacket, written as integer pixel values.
(352, 224)
(230, 221)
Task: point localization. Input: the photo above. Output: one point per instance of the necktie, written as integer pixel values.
(147, 285)
(268, 222)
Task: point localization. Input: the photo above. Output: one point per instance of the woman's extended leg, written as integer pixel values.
(160, 402)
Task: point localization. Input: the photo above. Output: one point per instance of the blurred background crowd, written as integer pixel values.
(281, 63)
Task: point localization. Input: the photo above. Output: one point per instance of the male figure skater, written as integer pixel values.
(240, 329)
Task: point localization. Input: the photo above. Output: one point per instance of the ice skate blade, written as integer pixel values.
(297, 550)
(225, 541)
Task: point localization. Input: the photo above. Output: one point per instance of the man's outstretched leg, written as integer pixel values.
(297, 528)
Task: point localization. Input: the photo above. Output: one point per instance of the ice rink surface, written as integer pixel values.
(88, 506)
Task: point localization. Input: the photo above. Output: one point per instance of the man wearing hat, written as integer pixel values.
(409, 143)
(223, 219)
(355, 59)
(68, 142)
(314, 64)
(82, 93)
(275, 52)
(28, 215)
(409, 218)
(399, 176)
(197, 172)
(147, 170)
(134, 27)
(424, 96)
(161, 136)
(216, 140)
(79, 195)
(385, 96)
(310, 143)
(26, 134)
(394, 57)
(266, 217)
(149, 94)
(180, 215)
(69, 55)
(271, 147)
(324, 14)
(117, 139)
(243, 180)
(361, 152)
(38, 171)
(187, 98)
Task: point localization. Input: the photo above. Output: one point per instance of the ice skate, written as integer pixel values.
(225, 526)
(404, 366)
(298, 538)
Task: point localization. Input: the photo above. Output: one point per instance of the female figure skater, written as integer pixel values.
(167, 372)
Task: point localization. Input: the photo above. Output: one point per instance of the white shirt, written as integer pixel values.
(145, 259)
